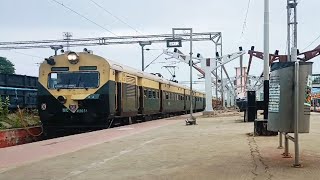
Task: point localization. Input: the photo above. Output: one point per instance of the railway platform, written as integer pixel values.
(219, 147)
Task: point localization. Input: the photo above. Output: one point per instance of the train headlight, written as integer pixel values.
(73, 57)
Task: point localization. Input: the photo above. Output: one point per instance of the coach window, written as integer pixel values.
(158, 94)
(52, 80)
(167, 95)
(154, 94)
(149, 94)
(145, 92)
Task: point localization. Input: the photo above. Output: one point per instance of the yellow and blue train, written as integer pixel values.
(83, 90)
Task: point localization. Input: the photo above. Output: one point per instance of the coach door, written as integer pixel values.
(141, 95)
(130, 95)
(119, 93)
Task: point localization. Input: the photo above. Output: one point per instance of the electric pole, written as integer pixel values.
(67, 36)
(292, 34)
(266, 59)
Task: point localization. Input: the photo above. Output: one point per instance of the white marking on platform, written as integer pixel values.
(125, 128)
(99, 163)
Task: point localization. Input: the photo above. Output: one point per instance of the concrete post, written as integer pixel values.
(208, 82)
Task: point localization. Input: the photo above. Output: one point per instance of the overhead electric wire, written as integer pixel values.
(114, 16)
(311, 43)
(93, 22)
(27, 54)
(131, 27)
(153, 61)
(245, 20)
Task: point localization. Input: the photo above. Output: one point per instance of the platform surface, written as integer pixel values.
(217, 148)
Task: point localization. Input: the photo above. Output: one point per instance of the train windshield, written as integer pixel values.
(73, 80)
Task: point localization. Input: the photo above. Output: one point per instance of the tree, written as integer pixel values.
(6, 66)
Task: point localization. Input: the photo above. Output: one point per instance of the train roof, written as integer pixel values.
(124, 68)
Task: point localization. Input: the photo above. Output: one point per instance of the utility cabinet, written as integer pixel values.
(282, 97)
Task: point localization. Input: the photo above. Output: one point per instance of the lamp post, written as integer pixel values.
(142, 44)
(266, 59)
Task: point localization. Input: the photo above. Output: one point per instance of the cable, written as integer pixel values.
(245, 20)
(119, 19)
(27, 54)
(164, 62)
(114, 16)
(93, 22)
(153, 61)
(311, 43)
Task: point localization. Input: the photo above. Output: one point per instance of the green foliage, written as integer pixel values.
(19, 119)
(6, 66)
(1, 108)
(5, 106)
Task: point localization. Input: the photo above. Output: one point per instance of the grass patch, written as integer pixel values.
(18, 119)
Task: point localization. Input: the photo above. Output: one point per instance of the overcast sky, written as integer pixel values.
(45, 19)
